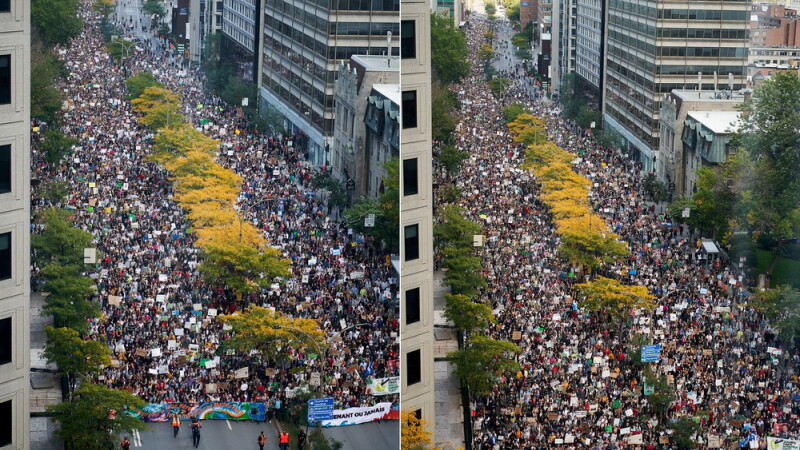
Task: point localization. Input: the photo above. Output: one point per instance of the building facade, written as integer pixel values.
(15, 244)
(348, 157)
(416, 213)
(241, 30)
(382, 138)
(655, 46)
(678, 163)
(303, 42)
(563, 50)
(589, 45)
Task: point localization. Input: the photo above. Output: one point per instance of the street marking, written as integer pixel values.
(137, 439)
(229, 424)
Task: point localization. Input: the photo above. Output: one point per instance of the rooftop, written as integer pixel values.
(378, 63)
(720, 95)
(390, 91)
(719, 122)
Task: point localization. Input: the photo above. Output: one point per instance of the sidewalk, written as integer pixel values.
(45, 386)
(449, 427)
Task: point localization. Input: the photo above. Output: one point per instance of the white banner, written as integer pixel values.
(774, 443)
(352, 416)
(383, 386)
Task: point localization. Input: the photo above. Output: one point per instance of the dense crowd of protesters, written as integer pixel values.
(158, 315)
(577, 386)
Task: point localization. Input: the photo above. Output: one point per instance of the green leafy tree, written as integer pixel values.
(324, 180)
(449, 193)
(386, 209)
(455, 229)
(782, 307)
(663, 394)
(46, 100)
(614, 298)
(770, 134)
(217, 72)
(86, 421)
(683, 428)
(69, 298)
(463, 273)
(60, 243)
(498, 86)
(156, 7)
(467, 315)
(490, 8)
(75, 357)
(136, 84)
(448, 50)
(55, 146)
(56, 21)
(54, 191)
(483, 361)
(512, 111)
(451, 158)
(443, 103)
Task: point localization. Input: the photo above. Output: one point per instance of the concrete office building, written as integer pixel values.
(303, 42)
(655, 46)
(348, 159)
(589, 47)
(416, 213)
(382, 140)
(205, 17)
(15, 243)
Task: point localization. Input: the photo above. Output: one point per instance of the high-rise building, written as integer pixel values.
(563, 50)
(241, 31)
(416, 212)
(15, 203)
(655, 46)
(303, 43)
(589, 50)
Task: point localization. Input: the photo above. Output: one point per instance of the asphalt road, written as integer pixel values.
(224, 434)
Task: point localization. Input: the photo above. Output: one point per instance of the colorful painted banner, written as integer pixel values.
(162, 412)
(383, 386)
(774, 443)
(353, 416)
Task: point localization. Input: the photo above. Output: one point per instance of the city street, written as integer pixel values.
(159, 314)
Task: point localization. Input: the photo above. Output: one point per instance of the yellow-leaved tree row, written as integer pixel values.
(585, 237)
(235, 253)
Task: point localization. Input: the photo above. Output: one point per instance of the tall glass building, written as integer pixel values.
(655, 46)
(304, 40)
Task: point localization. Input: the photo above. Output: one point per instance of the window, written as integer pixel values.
(6, 423)
(411, 240)
(5, 5)
(5, 168)
(409, 109)
(411, 308)
(408, 39)
(413, 369)
(5, 341)
(418, 414)
(5, 256)
(410, 186)
(5, 79)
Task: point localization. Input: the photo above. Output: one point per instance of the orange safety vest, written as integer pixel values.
(176, 422)
(284, 438)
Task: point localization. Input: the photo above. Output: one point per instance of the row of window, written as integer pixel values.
(702, 14)
(704, 52)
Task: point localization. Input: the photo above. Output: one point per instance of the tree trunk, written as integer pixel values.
(774, 261)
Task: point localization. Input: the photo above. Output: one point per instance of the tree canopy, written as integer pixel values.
(448, 50)
(613, 297)
(74, 356)
(56, 21)
(95, 417)
(483, 362)
(272, 333)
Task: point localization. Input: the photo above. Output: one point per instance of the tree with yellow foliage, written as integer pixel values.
(528, 129)
(544, 153)
(614, 298)
(414, 432)
(584, 244)
(160, 107)
(243, 266)
(272, 333)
